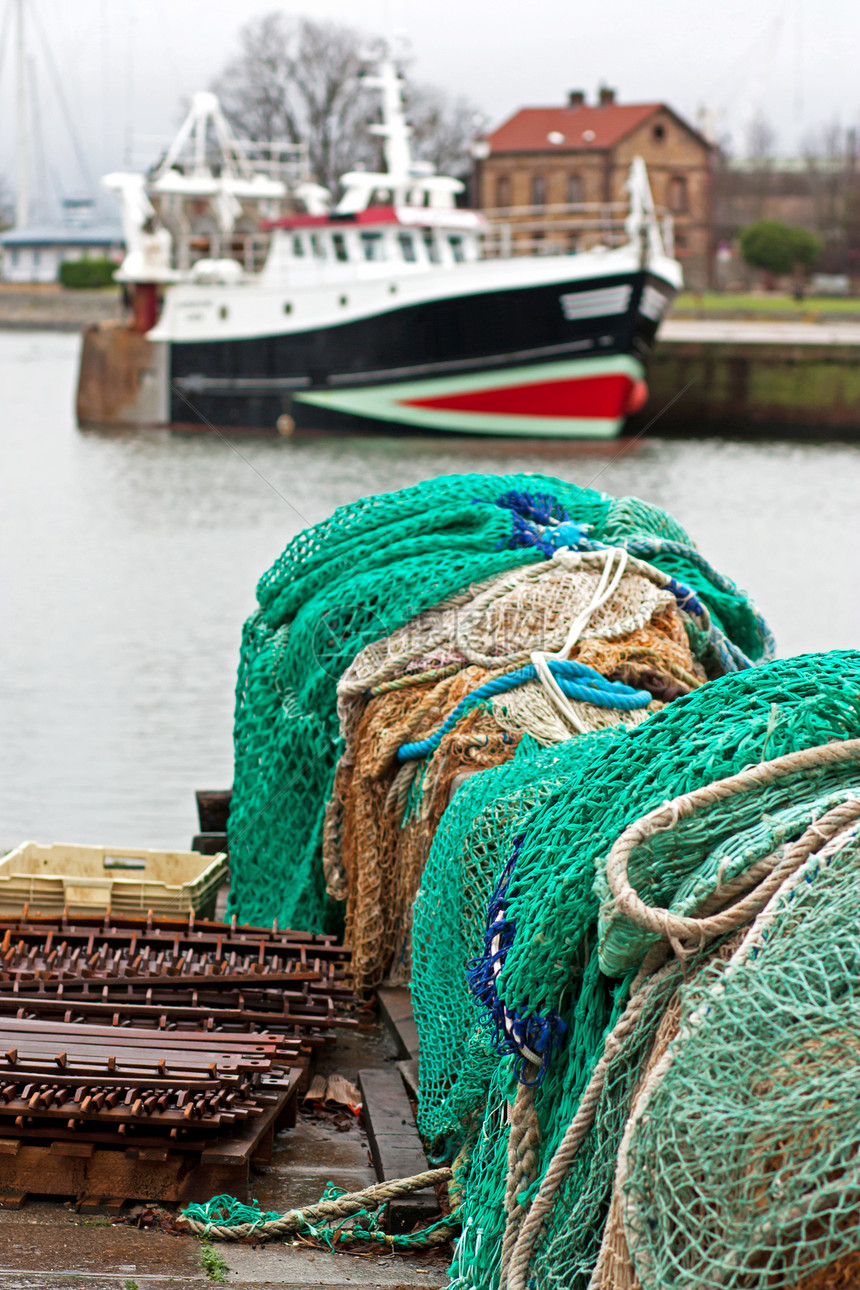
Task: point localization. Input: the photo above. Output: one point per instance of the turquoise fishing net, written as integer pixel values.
(547, 983)
(353, 579)
(744, 1170)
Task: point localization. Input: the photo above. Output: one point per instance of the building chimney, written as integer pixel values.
(576, 98)
(605, 96)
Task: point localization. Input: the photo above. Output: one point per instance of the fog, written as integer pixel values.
(111, 75)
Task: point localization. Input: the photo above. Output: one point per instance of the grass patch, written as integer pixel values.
(213, 1264)
(740, 303)
(130, 1285)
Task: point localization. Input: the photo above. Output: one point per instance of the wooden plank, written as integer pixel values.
(395, 1009)
(12, 1199)
(409, 1075)
(395, 1146)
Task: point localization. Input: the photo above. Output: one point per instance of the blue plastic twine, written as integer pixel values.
(575, 680)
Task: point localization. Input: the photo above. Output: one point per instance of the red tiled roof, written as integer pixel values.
(528, 129)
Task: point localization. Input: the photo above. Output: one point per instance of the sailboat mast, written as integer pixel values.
(22, 196)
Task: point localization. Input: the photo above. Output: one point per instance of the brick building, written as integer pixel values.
(543, 159)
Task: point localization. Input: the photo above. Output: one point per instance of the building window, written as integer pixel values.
(679, 198)
(37, 257)
(538, 190)
(659, 132)
(503, 192)
(14, 258)
(680, 241)
(575, 189)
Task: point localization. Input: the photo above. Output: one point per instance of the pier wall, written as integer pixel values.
(734, 384)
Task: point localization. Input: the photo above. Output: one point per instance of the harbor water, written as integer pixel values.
(129, 563)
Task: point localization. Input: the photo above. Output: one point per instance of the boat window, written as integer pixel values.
(432, 248)
(456, 244)
(298, 246)
(339, 242)
(318, 246)
(373, 246)
(407, 247)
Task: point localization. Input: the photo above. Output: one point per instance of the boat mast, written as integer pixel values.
(22, 196)
(394, 128)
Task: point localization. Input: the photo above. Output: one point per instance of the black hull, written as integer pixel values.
(252, 382)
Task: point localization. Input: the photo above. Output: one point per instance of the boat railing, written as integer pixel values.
(558, 229)
(249, 249)
(517, 231)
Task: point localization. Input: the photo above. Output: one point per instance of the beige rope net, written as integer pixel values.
(383, 815)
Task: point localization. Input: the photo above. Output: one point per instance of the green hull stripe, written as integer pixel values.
(383, 402)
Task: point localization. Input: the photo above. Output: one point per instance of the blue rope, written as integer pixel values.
(537, 523)
(575, 680)
(527, 1037)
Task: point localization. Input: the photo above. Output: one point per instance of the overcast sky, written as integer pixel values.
(124, 66)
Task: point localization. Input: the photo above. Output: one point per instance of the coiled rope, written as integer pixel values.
(209, 1219)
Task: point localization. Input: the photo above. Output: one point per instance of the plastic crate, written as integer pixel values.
(128, 880)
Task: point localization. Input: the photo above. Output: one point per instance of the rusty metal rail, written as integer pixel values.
(128, 1045)
(166, 973)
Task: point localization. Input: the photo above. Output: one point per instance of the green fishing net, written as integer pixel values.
(358, 576)
(535, 968)
(744, 1171)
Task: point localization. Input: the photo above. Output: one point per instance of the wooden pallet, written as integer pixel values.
(105, 1176)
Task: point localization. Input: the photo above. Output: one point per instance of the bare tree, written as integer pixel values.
(443, 127)
(761, 140)
(300, 81)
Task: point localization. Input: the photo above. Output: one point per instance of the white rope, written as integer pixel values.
(607, 585)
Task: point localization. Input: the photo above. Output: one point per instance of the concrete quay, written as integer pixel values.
(50, 307)
(749, 378)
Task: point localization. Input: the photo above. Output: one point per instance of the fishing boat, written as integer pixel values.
(396, 309)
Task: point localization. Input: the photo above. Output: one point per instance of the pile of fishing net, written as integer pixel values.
(636, 966)
(416, 638)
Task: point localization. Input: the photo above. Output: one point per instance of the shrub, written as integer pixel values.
(777, 248)
(97, 272)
